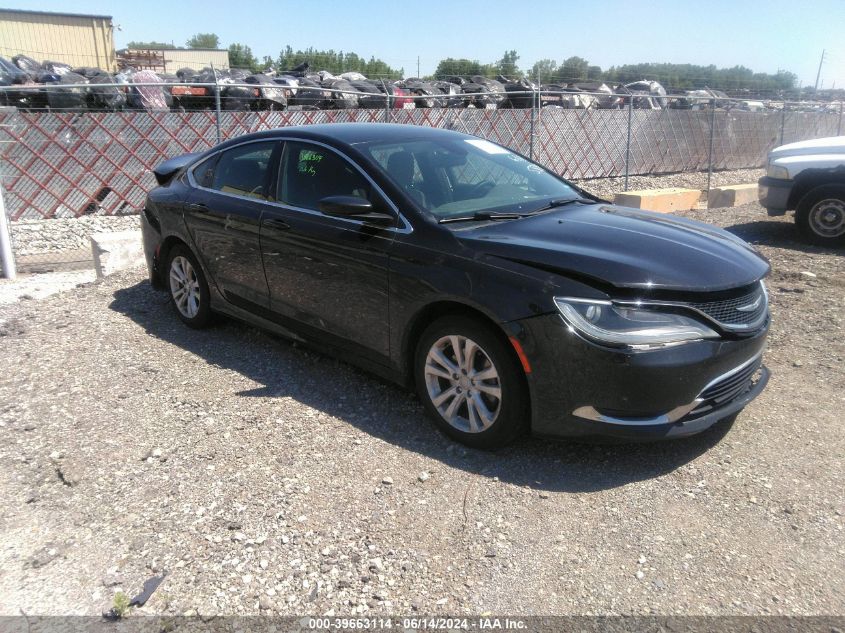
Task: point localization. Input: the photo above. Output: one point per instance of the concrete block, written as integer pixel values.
(660, 200)
(117, 251)
(732, 196)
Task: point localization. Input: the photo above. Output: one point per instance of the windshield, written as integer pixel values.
(452, 178)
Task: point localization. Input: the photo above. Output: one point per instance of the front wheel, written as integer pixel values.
(470, 383)
(821, 215)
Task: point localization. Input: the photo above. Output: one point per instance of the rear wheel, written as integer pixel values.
(470, 384)
(821, 215)
(188, 288)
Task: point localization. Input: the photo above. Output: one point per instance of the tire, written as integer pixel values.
(479, 418)
(821, 215)
(193, 306)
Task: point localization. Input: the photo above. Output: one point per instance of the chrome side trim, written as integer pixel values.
(590, 413)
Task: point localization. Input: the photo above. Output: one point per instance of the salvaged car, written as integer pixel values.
(510, 299)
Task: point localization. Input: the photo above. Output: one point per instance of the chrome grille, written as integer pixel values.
(728, 388)
(729, 312)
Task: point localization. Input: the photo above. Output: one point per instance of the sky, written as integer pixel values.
(762, 35)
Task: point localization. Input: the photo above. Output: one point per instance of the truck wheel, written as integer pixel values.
(821, 215)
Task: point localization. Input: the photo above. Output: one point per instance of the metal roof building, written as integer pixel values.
(71, 38)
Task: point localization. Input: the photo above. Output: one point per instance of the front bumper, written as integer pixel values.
(773, 194)
(644, 430)
(579, 389)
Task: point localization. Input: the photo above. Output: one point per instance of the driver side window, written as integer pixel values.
(310, 173)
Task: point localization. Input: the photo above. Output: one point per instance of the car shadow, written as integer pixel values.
(386, 411)
(779, 234)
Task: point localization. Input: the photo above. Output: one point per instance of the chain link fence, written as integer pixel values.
(67, 174)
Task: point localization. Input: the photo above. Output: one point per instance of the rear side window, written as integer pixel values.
(310, 173)
(242, 171)
(204, 172)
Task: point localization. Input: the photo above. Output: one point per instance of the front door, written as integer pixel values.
(328, 274)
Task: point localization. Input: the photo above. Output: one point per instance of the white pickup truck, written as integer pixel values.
(809, 177)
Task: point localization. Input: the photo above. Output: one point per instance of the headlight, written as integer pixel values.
(776, 171)
(619, 325)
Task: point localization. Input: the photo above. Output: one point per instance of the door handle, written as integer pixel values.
(198, 208)
(279, 225)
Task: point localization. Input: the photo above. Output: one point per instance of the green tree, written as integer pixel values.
(336, 63)
(594, 73)
(203, 40)
(546, 69)
(240, 56)
(267, 63)
(148, 45)
(573, 69)
(507, 65)
(678, 77)
(459, 67)
(377, 69)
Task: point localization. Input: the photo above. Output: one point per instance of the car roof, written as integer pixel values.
(354, 133)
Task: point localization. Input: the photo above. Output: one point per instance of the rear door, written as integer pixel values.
(223, 214)
(327, 274)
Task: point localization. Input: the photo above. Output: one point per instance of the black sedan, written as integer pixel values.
(511, 299)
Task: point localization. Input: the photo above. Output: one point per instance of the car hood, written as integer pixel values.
(828, 145)
(623, 247)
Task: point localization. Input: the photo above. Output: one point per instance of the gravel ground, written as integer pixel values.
(265, 478)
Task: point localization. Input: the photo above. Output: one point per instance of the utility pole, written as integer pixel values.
(818, 74)
(418, 66)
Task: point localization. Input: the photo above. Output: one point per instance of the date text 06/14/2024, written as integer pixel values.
(415, 624)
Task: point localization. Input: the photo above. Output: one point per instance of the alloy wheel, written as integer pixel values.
(463, 384)
(184, 287)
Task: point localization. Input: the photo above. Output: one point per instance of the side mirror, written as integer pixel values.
(355, 208)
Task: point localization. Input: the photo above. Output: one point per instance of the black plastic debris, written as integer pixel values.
(150, 585)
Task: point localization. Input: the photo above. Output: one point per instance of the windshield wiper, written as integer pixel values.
(486, 215)
(562, 202)
(481, 216)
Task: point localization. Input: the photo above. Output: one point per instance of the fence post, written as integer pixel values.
(712, 134)
(628, 142)
(531, 128)
(7, 258)
(216, 103)
(839, 125)
(782, 121)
